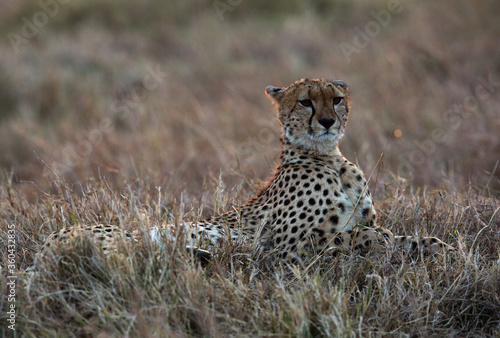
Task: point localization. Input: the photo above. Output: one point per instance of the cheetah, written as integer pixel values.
(316, 201)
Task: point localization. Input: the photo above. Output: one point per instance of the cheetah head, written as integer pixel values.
(312, 113)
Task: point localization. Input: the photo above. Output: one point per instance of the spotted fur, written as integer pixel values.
(107, 237)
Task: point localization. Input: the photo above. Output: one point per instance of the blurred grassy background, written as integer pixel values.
(104, 101)
(173, 92)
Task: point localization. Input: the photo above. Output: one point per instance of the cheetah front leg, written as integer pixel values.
(424, 245)
(378, 239)
(360, 240)
(364, 239)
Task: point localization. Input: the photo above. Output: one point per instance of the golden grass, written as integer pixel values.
(243, 292)
(89, 133)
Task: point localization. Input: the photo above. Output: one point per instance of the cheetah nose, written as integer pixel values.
(327, 123)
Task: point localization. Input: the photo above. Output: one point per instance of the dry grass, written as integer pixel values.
(85, 139)
(152, 292)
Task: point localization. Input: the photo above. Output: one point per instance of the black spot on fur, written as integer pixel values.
(319, 231)
(341, 207)
(365, 212)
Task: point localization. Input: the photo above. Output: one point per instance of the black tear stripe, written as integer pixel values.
(310, 119)
(312, 106)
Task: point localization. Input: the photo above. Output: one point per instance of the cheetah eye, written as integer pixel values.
(336, 100)
(306, 103)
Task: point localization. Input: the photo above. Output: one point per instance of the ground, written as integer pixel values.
(134, 113)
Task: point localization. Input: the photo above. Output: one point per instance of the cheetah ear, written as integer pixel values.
(274, 92)
(340, 83)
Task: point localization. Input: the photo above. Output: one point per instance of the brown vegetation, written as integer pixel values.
(119, 109)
